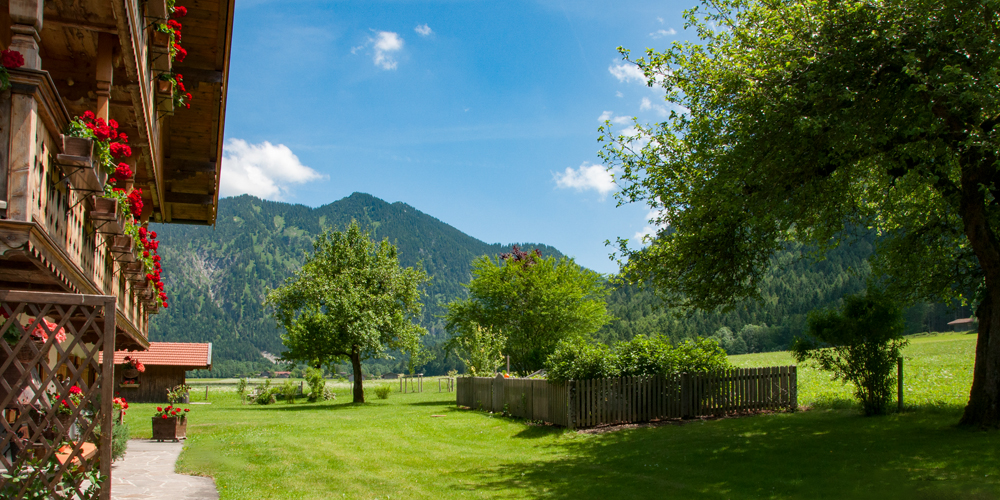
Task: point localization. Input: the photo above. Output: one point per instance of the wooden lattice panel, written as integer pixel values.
(55, 395)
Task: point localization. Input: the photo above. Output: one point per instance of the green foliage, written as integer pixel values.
(481, 349)
(241, 389)
(860, 345)
(351, 299)
(178, 393)
(578, 359)
(383, 391)
(314, 377)
(289, 391)
(536, 301)
(119, 439)
(265, 393)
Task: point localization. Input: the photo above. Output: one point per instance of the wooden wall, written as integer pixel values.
(153, 384)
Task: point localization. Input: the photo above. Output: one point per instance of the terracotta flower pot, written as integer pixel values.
(161, 39)
(164, 87)
(130, 373)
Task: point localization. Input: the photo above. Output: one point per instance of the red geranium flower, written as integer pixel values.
(88, 116)
(174, 25)
(159, 408)
(102, 132)
(165, 417)
(122, 137)
(145, 253)
(123, 171)
(186, 410)
(181, 53)
(113, 124)
(165, 305)
(75, 390)
(180, 11)
(11, 59)
(119, 150)
(152, 235)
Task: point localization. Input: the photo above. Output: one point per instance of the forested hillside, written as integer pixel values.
(217, 277)
(792, 287)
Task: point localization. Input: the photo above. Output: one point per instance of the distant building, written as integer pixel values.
(282, 374)
(165, 363)
(964, 324)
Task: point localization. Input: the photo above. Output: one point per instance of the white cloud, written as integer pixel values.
(423, 30)
(604, 116)
(663, 33)
(656, 221)
(586, 177)
(621, 120)
(627, 72)
(264, 170)
(386, 44)
(660, 19)
(647, 105)
(619, 94)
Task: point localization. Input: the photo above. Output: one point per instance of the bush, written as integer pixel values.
(289, 391)
(328, 394)
(265, 394)
(580, 359)
(859, 344)
(241, 389)
(383, 391)
(314, 377)
(119, 440)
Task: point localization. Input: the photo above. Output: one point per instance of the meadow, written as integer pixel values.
(423, 446)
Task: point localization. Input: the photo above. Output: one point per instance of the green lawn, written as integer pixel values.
(397, 448)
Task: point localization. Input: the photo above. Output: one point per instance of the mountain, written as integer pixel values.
(217, 277)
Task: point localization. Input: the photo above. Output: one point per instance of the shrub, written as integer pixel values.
(265, 394)
(859, 344)
(289, 391)
(119, 440)
(178, 394)
(328, 394)
(580, 359)
(314, 377)
(383, 391)
(241, 389)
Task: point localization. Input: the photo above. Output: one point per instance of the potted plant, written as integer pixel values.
(170, 422)
(179, 394)
(38, 337)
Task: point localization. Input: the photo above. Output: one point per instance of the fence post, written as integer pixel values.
(794, 384)
(685, 395)
(498, 394)
(899, 383)
(570, 385)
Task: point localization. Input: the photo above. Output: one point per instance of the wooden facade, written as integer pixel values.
(153, 384)
(102, 57)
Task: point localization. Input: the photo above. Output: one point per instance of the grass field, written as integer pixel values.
(422, 446)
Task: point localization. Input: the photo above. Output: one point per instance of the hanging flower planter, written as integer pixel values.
(77, 163)
(106, 216)
(164, 87)
(26, 353)
(160, 39)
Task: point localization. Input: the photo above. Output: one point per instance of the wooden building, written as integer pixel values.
(166, 365)
(96, 140)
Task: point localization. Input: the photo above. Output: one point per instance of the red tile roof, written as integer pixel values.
(171, 354)
(962, 321)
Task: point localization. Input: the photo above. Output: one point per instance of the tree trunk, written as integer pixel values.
(985, 394)
(359, 388)
(984, 397)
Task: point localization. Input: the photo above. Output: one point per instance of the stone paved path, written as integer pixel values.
(147, 472)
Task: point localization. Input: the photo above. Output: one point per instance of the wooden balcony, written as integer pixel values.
(57, 233)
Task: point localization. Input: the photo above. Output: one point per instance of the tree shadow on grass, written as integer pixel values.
(434, 403)
(816, 454)
(282, 406)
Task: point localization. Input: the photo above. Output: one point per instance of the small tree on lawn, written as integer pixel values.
(859, 344)
(351, 299)
(481, 349)
(535, 301)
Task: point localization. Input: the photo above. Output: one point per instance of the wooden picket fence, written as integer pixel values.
(619, 400)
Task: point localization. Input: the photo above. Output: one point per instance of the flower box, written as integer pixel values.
(161, 39)
(121, 247)
(106, 216)
(26, 353)
(172, 428)
(77, 163)
(135, 272)
(164, 87)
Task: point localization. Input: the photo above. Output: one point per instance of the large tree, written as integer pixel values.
(351, 299)
(531, 301)
(805, 120)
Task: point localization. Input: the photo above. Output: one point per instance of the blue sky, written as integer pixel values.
(471, 112)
